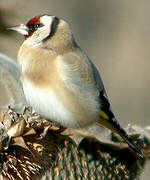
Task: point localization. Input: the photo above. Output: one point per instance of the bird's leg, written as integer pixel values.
(44, 133)
(8, 143)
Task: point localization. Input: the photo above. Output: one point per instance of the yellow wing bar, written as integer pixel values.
(103, 115)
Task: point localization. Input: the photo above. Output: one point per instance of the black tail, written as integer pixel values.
(132, 146)
(113, 125)
(108, 120)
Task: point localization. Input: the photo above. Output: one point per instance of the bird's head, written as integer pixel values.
(45, 30)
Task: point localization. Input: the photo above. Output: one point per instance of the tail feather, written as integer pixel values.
(108, 120)
(113, 125)
(132, 146)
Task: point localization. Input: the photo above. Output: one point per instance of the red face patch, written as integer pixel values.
(34, 20)
(33, 24)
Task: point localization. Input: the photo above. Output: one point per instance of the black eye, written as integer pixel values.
(38, 25)
(33, 27)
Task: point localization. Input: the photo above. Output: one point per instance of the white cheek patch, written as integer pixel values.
(47, 20)
(46, 29)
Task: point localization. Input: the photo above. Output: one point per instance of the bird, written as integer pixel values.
(59, 80)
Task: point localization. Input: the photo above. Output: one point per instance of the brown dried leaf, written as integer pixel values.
(17, 129)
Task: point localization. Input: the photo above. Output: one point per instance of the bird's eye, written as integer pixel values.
(33, 27)
(38, 25)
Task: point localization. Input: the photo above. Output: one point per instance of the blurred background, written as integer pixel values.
(116, 36)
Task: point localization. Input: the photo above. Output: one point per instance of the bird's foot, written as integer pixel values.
(44, 133)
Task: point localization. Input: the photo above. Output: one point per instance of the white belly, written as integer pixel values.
(51, 107)
(47, 104)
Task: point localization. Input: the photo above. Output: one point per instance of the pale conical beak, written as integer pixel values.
(22, 29)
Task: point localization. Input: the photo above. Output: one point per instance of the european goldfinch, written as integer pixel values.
(59, 80)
